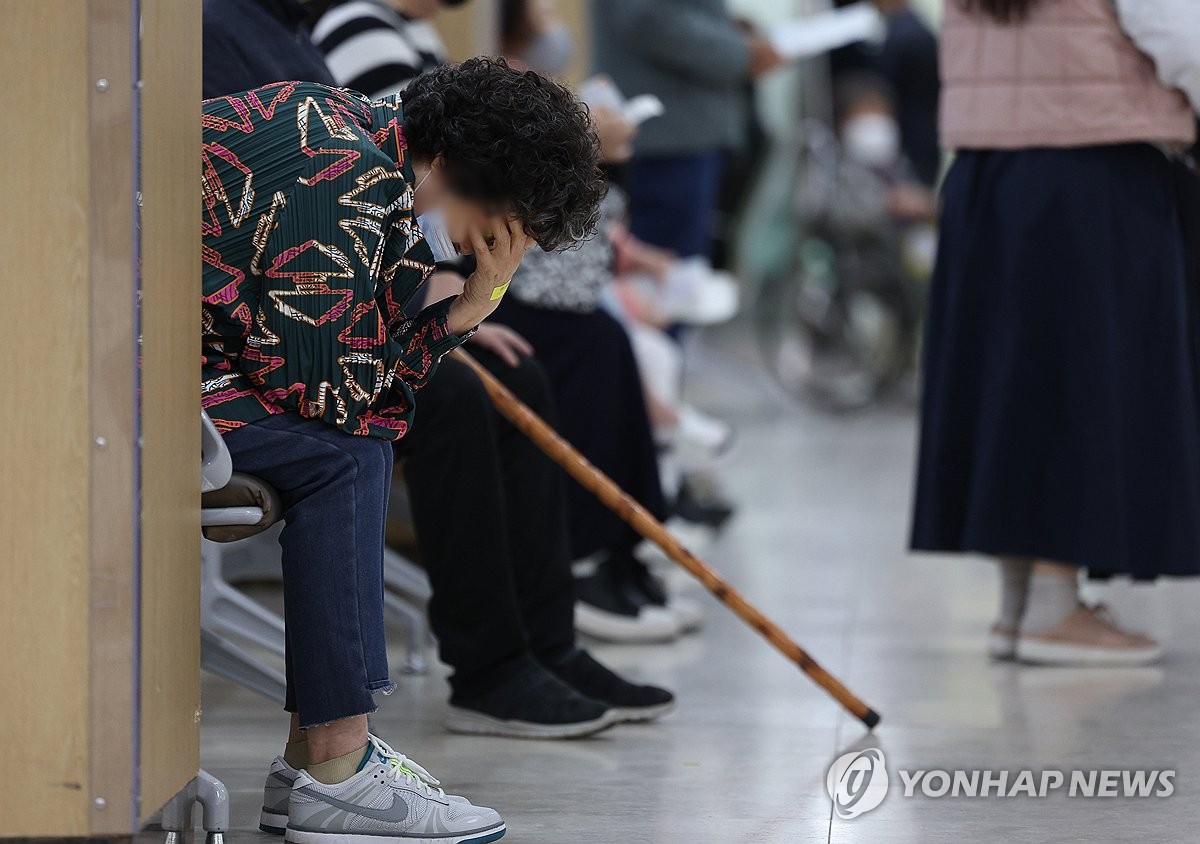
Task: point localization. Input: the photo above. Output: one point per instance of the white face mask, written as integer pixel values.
(433, 228)
(550, 53)
(872, 140)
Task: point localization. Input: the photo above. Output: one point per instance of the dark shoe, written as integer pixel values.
(642, 588)
(638, 583)
(605, 609)
(629, 701)
(702, 506)
(532, 702)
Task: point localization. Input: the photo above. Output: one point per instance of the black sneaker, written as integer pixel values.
(531, 702)
(629, 701)
(606, 608)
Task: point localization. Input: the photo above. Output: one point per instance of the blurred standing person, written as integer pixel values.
(908, 60)
(694, 56)
(1061, 416)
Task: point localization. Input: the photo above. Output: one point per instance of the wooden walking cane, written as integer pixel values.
(603, 487)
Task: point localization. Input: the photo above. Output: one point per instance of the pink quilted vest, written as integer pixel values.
(1065, 76)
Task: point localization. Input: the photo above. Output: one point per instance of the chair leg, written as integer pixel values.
(226, 609)
(405, 599)
(213, 798)
(224, 658)
(416, 632)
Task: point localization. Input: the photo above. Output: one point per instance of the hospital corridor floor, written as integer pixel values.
(819, 545)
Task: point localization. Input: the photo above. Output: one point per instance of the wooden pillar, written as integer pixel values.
(472, 29)
(99, 434)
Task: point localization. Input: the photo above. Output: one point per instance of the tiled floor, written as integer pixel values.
(819, 545)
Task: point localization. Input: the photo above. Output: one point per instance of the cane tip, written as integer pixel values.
(870, 718)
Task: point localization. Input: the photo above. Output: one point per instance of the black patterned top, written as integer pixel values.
(310, 253)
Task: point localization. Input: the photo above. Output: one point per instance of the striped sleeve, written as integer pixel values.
(367, 48)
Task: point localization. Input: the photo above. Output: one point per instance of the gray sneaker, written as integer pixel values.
(391, 800)
(278, 789)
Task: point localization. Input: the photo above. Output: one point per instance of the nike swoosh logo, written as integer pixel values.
(394, 813)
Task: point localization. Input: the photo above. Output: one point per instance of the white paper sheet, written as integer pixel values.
(825, 31)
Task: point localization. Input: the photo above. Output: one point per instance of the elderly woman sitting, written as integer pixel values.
(323, 215)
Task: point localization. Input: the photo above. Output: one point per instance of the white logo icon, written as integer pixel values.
(857, 782)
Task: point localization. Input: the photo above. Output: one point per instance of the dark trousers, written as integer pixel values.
(672, 200)
(488, 508)
(602, 412)
(334, 488)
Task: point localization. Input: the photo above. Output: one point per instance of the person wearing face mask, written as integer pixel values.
(877, 183)
(311, 367)
(503, 596)
(532, 34)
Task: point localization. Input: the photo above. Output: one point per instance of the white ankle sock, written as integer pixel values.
(1014, 588)
(1052, 597)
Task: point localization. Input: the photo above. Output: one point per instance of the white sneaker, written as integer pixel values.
(392, 800)
(273, 817)
(688, 611)
(1002, 641)
(701, 438)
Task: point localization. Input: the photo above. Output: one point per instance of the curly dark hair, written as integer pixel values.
(516, 141)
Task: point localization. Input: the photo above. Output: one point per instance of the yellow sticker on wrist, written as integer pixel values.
(497, 292)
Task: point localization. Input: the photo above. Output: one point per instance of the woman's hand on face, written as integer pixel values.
(502, 341)
(495, 265)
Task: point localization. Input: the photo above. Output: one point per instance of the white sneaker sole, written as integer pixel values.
(300, 836)
(652, 625)
(636, 715)
(688, 612)
(469, 722)
(270, 822)
(1001, 646)
(1056, 653)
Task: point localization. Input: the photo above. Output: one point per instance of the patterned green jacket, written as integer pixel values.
(311, 252)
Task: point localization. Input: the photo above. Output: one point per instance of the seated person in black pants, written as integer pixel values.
(503, 594)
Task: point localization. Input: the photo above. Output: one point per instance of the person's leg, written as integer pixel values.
(535, 505)
(672, 200)
(602, 412)
(453, 472)
(537, 520)
(492, 546)
(334, 489)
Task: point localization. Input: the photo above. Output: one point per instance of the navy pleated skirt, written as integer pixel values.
(1061, 407)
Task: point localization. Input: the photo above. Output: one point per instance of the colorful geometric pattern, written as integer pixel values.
(311, 252)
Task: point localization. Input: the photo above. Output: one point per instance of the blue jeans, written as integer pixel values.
(335, 492)
(672, 200)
